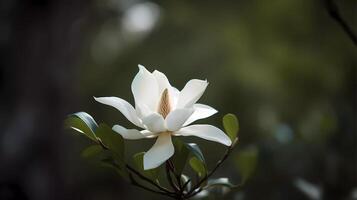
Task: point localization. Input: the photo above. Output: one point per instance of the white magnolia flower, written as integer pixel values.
(162, 111)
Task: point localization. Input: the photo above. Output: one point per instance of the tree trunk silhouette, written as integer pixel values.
(39, 43)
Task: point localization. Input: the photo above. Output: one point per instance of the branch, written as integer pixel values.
(171, 182)
(335, 14)
(184, 186)
(135, 183)
(148, 180)
(194, 190)
(141, 176)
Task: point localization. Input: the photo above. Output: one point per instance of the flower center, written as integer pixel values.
(164, 104)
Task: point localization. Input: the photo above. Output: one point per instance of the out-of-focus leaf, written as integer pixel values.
(91, 151)
(83, 123)
(118, 166)
(111, 140)
(196, 151)
(223, 182)
(246, 161)
(204, 195)
(231, 125)
(314, 192)
(180, 157)
(220, 186)
(198, 166)
(151, 173)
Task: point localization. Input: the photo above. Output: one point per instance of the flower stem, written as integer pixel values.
(169, 178)
(141, 176)
(135, 183)
(196, 189)
(148, 180)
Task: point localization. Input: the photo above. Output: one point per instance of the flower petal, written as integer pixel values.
(143, 110)
(154, 123)
(201, 111)
(177, 118)
(164, 83)
(161, 151)
(123, 106)
(190, 94)
(145, 88)
(149, 134)
(130, 134)
(207, 132)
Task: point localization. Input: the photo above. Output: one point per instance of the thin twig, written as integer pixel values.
(135, 183)
(141, 176)
(171, 182)
(335, 14)
(186, 183)
(173, 170)
(194, 190)
(148, 180)
(183, 187)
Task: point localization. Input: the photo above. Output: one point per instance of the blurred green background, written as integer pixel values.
(285, 68)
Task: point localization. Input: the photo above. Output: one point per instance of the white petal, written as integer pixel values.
(174, 96)
(154, 123)
(162, 81)
(207, 132)
(177, 118)
(163, 84)
(190, 94)
(145, 88)
(149, 134)
(143, 110)
(201, 111)
(123, 106)
(130, 134)
(161, 151)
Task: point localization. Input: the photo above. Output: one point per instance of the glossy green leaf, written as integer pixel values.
(198, 166)
(223, 182)
(231, 125)
(92, 151)
(83, 123)
(88, 119)
(246, 161)
(184, 179)
(111, 140)
(196, 151)
(181, 156)
(139, 162)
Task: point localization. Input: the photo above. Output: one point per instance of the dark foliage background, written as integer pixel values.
(286, 68)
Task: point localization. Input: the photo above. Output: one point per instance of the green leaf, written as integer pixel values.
(92, 151)
(246, 162)
(231, 125)
(112, 140)
(184, 179)
(198, 166)
(223, 182)
(196, 151)
(197, 162)
(181, 155)
(139, 162)
(83, 123)
(88, 119)
(118, 166)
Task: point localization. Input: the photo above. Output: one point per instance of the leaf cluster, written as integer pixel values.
(109, 147)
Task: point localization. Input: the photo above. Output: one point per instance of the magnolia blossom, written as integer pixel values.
(162, 111)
